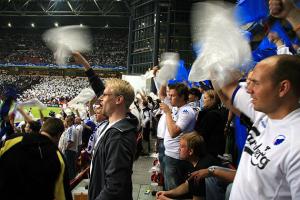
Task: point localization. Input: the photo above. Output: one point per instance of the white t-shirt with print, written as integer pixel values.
(72, 136)
(185, 119)
(79, 129)
(270, 164)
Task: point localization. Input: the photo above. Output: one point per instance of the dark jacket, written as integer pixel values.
(95, 82)
(113, 161)
(210, 124)
(31, 167)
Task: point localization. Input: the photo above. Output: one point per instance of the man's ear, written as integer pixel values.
(120, 99)
(284, 88)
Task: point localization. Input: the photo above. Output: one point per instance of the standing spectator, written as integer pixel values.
(112, 163)
(32, 167)
(79, 128)
(100, 121)
(71, 148)
(146, 127)
(211, 124)
(269, 167)
(178, 123)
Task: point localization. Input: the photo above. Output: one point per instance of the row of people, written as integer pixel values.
(51, 90)
(18, 47)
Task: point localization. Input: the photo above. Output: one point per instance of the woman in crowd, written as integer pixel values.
(211, 122)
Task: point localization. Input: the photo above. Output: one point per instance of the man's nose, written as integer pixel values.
(249, 87)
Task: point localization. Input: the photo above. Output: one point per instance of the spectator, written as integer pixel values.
(30, 161)
(116, 146)
(211, 124)
(192, 149)
(287, 10)
(178, 123)
(271, 101)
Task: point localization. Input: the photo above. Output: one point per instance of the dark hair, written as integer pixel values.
(288, 68)
(195, 142)
(53, 126)
(52, 113)
(34, 126)
(196, 92)
(182, 90)
(171, 86)
(204, 86)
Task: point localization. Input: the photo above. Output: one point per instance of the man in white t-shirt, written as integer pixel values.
(164, 95)
(70, 143)
(270, 164)
(79, 128)
(178, 123)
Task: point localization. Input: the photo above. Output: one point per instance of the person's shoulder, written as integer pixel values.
(10, 141)
(207, 161)
(124, 125)
(186, 109)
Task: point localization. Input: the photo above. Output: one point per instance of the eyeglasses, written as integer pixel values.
(107, 94)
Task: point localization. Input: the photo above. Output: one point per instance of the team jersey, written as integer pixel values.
(270, 164)
(185, 119)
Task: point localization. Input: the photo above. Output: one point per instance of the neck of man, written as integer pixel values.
(51, 138)
(285, 109)
(182, 103)
(117, 115)
(194, 160)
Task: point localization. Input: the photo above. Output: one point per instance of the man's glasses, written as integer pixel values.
(107, 94)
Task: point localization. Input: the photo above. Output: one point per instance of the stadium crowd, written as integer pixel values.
(20, 83)
(22, 46)
(51, 90)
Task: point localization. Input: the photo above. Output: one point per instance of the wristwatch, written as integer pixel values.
(211, 170)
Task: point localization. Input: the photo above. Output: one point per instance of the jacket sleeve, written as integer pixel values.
(95, 82)
(118, 168)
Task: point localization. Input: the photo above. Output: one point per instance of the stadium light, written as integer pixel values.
(56, 24)
(9, 24)
(32, 25)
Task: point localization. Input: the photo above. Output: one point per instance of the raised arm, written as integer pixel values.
(42, 117)
(95, 82)
(162, 93)
(26, 117)
(286, 9)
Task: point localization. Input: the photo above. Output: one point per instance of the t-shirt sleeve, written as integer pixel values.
(242, 101)
(185, 117)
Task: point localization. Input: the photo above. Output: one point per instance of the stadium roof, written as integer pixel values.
(64, 7)
(45, 13)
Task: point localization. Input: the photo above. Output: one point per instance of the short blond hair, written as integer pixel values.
(122, 88)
